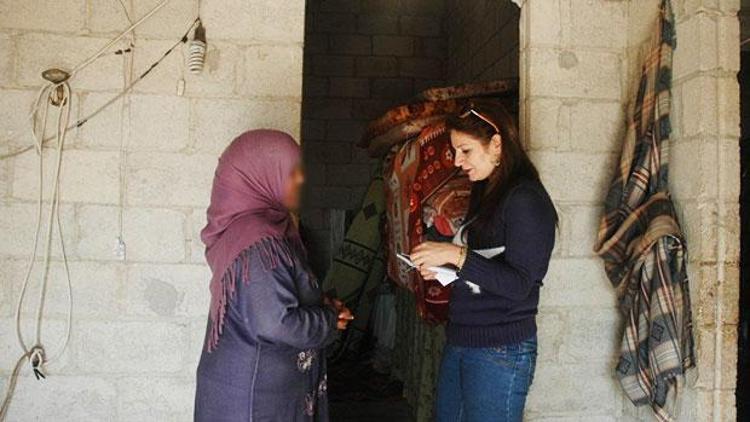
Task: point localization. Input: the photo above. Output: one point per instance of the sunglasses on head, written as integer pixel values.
(469, 110)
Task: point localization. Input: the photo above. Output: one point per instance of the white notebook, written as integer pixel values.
(447, 275)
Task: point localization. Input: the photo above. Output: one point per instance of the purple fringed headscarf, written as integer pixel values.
(247, 210)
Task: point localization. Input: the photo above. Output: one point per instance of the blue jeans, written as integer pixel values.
(485, 384)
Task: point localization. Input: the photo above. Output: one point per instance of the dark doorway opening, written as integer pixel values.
(743, 360)
(362, 58)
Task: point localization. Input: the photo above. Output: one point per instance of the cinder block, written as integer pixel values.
(104, 131)
(422, 26)
(700, 32)
(349, 88)
(96, 292)
(257, 21)
(583, 224)
(65, 52)
(5, 179)
(106, 17)
(377, 67)
(326, 65)
(392, 45)
(53, 16)
(219, 77)
(369, 109)
(597, 126)
(98, 228)
(423, 7)
(327, 152)
(86, 176)
(337, 6)
(160, 179)
(345, 130)
(97, 396)
(377, 24)
(593, 172)
(316, 44)
(327, 108)
(117, 347)
(314, 87)
(435, 48)
(418, 67)
(574, 74)
(545, 28)
(692, 169)
(577, 282)
(380, 7)
(561, 389)
(144, 244)
(347, 175)
(158, 290)
(313, 129)
(7, 51)
(335, 22)
(197, 221)
(218, 121)
(602, 25)
(705, 341)
(699, 102)
(273, 71)
(393, 88)
(549, 124)
(159, 123)
(170, 22)
(550, 334)
(709, 293)
(176, 396)
(591, 336)
(14, 113)
(18, 221)
(12, 271)
(356, 45)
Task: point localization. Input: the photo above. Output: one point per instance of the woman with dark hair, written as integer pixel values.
(489, 359)
(263, 357)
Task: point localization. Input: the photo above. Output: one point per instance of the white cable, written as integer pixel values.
(36, 354)
(107, 46)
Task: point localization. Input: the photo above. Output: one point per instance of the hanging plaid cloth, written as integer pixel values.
(642, 245)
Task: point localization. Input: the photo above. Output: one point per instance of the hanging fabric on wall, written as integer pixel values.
(435, 171)
(642, 245)
(357, 269)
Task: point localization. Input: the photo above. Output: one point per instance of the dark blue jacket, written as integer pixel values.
(504, 310)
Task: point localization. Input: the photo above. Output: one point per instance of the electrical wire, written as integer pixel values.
(112, 100)
(61, 92)
(107, 46)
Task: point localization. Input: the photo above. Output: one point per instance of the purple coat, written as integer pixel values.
(269, 364)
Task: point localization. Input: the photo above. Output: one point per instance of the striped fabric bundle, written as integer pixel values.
(642, 245)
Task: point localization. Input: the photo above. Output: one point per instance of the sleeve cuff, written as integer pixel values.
(471, 270)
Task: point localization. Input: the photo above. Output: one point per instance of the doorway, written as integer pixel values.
(362, 58)
(743, 360)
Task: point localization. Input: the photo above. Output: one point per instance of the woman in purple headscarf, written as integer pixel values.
(268, 324)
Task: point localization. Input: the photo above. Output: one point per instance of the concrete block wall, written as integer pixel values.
(705, 177)
(579, 61)
(482, 40)
(362, 57)
(138, 323)
(572, 59)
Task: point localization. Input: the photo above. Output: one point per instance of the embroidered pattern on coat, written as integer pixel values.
(310, 404)
(323, 386)
(305, 360)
